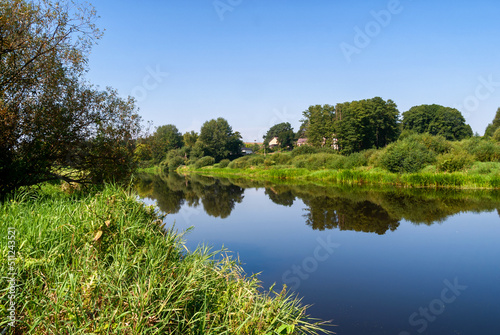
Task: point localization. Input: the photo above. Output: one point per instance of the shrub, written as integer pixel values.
(356, 159)
(496, 135)
(485, 151)
(406, 156)
(454, 161)
(437, 144)
(303, 150)
(282, 159)
(239, 163)
(175, 162)
(224, 163)
(255, 160)
(336, 162)
(204, 161)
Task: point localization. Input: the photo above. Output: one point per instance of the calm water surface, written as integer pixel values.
(373, 261)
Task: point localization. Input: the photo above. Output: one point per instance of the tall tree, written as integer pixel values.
(53, 124)
(284, 132)
(190, 138)
(320, 125)
(218, 139)
(437, 120)
(164, 139)
(366, 124)
(494, 125)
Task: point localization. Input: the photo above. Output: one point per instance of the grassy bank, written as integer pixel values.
(357, 176)
(102, 263)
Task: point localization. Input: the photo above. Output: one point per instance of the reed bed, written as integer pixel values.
(103, 263)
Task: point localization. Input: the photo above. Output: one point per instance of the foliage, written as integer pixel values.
(454, 161)
(190, 138)
(284, 132)
(437, 120)
(175, 162)
(406, 156)
(304, 150)
(204, 161)
(164, 139)
(493, 126)
(366, 124)
(53, 124)
(219, 141)
(224, 163)
(496, 135)
(319, 124)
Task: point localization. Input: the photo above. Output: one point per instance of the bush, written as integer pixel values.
(354, 160)
(255, 160)
(204, 161)
(406, 156)
(303, 150)
(282, 159)
(224, 163)
(454, 161)
(174, 163)
(496, 135)
(437, 144)
(239, 163)
(485, 151)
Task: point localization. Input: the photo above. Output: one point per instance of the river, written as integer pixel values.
(372, 260)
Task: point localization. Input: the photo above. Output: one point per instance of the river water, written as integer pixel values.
(372, 260)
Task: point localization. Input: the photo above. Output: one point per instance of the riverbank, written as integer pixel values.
(103, 262)
(356, 176)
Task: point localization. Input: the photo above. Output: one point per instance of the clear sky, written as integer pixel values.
(261, 62)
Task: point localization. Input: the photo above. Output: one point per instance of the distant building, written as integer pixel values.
(246, 151)
(301, 142)
(274, 142)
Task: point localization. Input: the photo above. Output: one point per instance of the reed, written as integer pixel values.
(103, 263)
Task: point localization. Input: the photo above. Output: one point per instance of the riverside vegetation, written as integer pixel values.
(414, 160)
(102, 262)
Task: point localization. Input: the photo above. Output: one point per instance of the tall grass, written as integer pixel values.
(102, 263)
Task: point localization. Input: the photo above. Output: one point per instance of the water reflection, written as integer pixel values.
(370, 210)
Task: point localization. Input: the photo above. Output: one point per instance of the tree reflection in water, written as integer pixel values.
(371, 210)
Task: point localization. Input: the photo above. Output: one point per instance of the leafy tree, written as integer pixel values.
(366, 124)
(319, 124)
(165, 138)
(218, 139)
(437, 120)
(494, 125)
(53, 125)
(190, 138)
(284, 132)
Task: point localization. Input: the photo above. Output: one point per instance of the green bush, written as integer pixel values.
(255, 160)
(175, 162)
(437, 144)
(224, 163)
(496, 135)
(336, 162)
(485, 151)
(454, 161)
(204, 161)
(239, 163)
(406, 156)
(354, 160)
(281, 158)
(303, 150)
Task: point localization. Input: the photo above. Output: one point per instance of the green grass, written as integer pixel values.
(101, 263)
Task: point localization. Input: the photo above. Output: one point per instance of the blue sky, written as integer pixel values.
(257, 63)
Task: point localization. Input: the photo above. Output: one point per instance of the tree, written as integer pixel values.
(366, 124)
(494, 125)
(190, 138)
(437, 120)
(284, 132)
(54, 125)
(218, 139)
(319, 123)
(164, 139)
